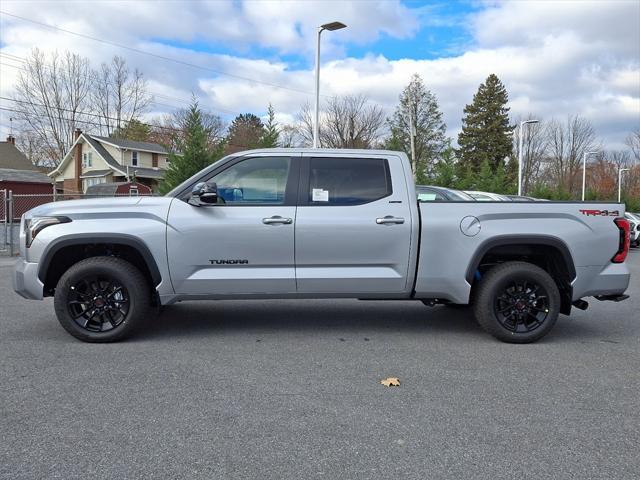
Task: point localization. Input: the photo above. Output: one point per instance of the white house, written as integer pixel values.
(92, 160)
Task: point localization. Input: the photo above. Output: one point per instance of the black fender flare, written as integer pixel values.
(98, 238)
(503, 240)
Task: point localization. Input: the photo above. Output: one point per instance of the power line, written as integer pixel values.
(87, 122)
(155, 94)
(155, 55)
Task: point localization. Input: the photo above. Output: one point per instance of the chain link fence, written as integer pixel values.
(12, 207)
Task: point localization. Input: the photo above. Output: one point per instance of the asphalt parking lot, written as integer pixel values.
(290, 389)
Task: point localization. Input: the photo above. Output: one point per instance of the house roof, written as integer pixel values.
(11, 157)
(102, 152)
(96, 173)
(25, 176)
(142, 172)
(110, 188)
(131, 145)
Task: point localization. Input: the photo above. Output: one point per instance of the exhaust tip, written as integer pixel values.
(581, 304)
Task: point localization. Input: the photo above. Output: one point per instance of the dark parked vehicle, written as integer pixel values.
(428, 193)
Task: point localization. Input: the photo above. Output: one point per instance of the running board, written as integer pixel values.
(611, 298)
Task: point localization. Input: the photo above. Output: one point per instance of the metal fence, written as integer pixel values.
(12, 207)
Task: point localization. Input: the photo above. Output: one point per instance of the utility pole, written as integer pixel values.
(620, 182)
(584, 171)
(412, 137)
(316, 115)
(520, 135)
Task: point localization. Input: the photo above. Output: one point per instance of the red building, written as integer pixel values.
(20, 177)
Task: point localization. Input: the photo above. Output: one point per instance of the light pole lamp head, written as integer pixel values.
(524, 122)
(332, 26)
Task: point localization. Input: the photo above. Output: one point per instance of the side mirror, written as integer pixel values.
(203, 194)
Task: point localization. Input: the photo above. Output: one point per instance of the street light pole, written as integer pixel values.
(316, 116)
(620, 182)
(584, 170)
(520, 134)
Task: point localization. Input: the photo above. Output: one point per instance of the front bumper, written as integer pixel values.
(25, 280)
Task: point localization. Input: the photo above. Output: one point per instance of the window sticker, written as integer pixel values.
(320, 195)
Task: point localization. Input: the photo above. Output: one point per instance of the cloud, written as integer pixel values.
(555, 58)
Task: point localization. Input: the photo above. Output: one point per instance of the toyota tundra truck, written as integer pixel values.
(318, 223)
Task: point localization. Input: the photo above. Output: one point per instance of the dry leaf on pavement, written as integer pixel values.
(391, 382)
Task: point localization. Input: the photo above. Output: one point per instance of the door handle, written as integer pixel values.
(277, 220)
(389, 220)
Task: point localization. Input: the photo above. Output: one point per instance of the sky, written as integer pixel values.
(556, 58)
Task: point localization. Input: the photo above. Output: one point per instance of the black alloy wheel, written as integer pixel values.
(522, 307)
(98, 303)
(103, 299)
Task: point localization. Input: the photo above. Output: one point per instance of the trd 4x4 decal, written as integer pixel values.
(600, 213)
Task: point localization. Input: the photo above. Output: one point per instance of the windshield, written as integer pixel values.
(460, 195)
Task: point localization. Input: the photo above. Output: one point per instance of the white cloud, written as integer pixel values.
(555, 58)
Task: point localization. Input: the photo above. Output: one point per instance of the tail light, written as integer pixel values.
(625, 240)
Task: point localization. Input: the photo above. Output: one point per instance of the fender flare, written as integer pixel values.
(98, 238)
(503, 240)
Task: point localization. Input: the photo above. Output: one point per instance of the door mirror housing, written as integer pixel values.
(204, 194)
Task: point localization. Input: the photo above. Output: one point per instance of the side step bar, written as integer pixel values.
(612, 298)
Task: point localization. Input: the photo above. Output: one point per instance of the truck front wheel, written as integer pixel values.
(102, 299)
(517, 302)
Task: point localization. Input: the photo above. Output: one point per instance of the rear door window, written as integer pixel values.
(348, 181)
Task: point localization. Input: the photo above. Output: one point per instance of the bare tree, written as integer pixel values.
(170, 129)
(118, 95)
(633, 142)
(35, 148)
(566, 145)
(347, 122)
(290, 136)
(534, 145)
(51, 98)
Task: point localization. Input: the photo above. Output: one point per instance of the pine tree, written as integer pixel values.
(486, 133)
(271, 135)
(245, 132)
(134, 130)
(196, 153)
(421, 106)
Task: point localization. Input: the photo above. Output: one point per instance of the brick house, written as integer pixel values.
(94, 160)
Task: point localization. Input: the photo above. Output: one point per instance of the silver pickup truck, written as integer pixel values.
(300, 223)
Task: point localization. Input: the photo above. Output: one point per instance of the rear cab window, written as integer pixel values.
(347, 181)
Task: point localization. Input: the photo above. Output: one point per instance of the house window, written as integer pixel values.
(133, 191)
(87, 160)
(134, 159)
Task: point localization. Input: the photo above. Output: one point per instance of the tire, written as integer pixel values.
(517, 302)
(102, 299)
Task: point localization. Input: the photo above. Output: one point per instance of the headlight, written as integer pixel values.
(35, 225)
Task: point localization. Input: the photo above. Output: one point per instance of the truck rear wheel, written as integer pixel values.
(102, 299)
(517, 302)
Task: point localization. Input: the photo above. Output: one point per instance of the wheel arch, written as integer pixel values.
(68, 250)
(548, 252)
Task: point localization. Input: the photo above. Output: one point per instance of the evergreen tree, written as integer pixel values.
(486, 133)
(133, 130)
(196, 152)
(271, 134)
(445, 170)
(245, 132)
(421, 106)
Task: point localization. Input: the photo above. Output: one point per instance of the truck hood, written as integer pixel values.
(107, 207)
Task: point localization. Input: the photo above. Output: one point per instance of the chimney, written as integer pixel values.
(78, 165)
(11, 139)
(77, 134)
